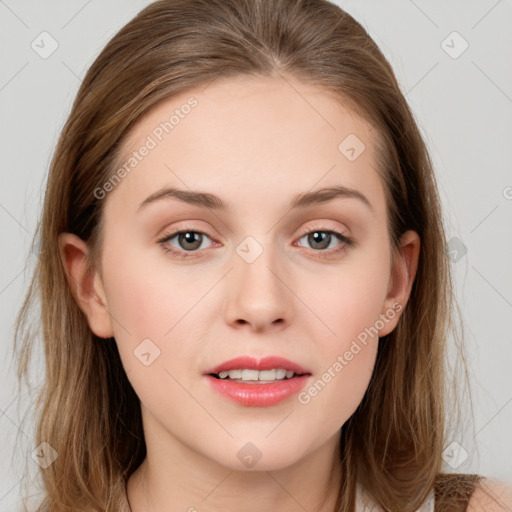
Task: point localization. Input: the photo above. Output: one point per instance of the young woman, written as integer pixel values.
(244, 290)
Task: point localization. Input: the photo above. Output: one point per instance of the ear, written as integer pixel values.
(402, 276)
(85, 284)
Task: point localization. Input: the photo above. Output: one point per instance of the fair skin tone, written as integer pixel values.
(491, 496)
(256, 143)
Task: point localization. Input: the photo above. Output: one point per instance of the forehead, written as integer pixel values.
(249, 135)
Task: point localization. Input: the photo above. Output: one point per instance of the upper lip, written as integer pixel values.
(253, 363)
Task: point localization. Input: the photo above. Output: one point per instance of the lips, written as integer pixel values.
(252, 363)
(258, 393)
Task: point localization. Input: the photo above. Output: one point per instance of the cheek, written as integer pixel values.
(347, 357)
(147, 295)
(160, 318)
(348, 302)
(350, 305)
(143, 307)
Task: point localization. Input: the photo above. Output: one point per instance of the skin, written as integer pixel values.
(256, 143)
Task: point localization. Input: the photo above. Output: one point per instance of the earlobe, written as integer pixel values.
(401, 280)
(85, 284)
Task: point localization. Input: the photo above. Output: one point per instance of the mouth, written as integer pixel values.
(249, 369)
(258, 382)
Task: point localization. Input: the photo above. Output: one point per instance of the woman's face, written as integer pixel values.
(247, 280)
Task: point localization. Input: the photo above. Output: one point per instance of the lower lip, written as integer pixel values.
(258, 395)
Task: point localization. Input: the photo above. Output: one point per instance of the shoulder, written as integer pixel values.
(490, 496)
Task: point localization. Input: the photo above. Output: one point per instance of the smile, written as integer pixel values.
(255, 382)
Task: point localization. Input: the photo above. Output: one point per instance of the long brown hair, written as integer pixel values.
(87, 409)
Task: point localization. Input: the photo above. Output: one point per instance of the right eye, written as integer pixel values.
(188, 241)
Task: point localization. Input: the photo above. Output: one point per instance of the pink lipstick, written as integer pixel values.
(257, 382)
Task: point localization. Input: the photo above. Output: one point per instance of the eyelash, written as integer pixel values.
(347, 242)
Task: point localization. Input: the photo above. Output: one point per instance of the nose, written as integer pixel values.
(258, 294)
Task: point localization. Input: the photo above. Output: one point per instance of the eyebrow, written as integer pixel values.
(207, 200)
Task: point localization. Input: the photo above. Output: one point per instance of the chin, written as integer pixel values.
(260, 454)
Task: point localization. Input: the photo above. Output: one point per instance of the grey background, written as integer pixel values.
(463, 106)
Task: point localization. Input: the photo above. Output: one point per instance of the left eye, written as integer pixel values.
(323, 238)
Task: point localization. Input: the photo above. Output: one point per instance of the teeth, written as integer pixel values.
(233, 374)
(267, 375)
(250, 374)
(281, 374)
(254, 375)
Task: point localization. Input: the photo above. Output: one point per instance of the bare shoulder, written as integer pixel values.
(491, 496)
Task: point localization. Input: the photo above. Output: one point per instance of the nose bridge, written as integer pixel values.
(257, 294)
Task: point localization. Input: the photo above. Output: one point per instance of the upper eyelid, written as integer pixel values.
(317, 224)
(306, 231)
(185, 229)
